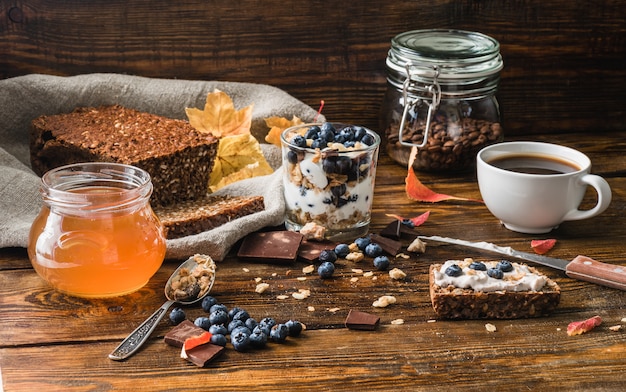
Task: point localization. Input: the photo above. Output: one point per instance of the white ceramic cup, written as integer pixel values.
(537, 203)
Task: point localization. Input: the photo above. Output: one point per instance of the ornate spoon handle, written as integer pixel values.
(137, 338)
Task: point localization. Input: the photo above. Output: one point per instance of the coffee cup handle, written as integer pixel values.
(604, 198)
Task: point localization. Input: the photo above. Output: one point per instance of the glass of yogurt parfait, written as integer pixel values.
(329, 173)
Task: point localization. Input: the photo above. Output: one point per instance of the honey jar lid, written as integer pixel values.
(449, 54)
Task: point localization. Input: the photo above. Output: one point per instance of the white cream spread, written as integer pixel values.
(519, 279)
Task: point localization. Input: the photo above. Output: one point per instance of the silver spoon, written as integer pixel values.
(185, 295)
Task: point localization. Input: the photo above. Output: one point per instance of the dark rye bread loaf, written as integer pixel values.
(452, 302)
(178, 158)
(195, 216)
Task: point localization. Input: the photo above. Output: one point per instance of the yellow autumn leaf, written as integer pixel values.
(238, 157)
(277, 125)
(220, 117)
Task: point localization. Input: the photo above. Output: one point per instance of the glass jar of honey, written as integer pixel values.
(96, 234)
(440, 98)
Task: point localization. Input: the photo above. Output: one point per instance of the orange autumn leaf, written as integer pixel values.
(580, 327)
(417, 191)
(542, 246)
(277, 125)
(220, 117)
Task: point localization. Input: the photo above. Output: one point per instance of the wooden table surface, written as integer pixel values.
(49, 341)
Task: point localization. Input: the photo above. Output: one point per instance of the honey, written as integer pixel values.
(96, 234)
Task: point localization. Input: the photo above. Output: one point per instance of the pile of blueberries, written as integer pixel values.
(371, 249)
(326, 133)
(244, 331)
(496, 272)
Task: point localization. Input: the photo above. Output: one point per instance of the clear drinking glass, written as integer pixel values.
(329, 175)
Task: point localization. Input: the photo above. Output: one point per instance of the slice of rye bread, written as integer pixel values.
(195, 216)
(458, 303)
(178, 158)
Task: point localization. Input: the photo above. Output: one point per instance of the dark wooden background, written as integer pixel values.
(565, 61)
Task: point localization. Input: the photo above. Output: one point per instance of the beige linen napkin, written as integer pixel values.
(26, 97)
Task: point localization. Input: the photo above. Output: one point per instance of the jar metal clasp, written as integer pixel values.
(429, 94)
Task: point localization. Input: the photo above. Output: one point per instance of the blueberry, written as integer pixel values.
(258, 339)
(292, 157)
(207, 302)
(359, 132)
(326, 270)
(340, 138)
(177, 316)
(505, 266)
(218, 339)
(407, 222)
(347, 133)
(454, 270)
(219, 316)
(239, 329)
(328, 255)
(319, 143)
(262, 329)
(299, 141)
(478, 266)
(203, 322)
(328, 128)
(329, 165)
(343, 165)
(240, 340)
(235, 324)
(279, 333)
(218, 329)
(294, 327)
(349, 144)
(368, 139)
(327, 135)
(381, 263)
(312, 133)
(373, 250)
(267, 322)
(342, 250)
(232, 312)
(362, 243)
(240, 315)
(338, 190)
(495, 273)
(251, 323)
(218, 306)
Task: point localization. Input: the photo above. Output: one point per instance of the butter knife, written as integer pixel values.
(581, 267)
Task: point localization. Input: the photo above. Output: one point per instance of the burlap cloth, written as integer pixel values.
(26, 97)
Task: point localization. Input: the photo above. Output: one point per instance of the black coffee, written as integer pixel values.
(534, 164)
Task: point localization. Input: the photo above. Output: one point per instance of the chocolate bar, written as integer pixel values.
(203, 354)
(272, 246)
(176, 336)
(361, 320)
(390, 246)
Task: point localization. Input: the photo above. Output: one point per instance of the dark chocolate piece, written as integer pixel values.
(390, 246)
(361, 320)
(396, 230)
(203, 354)
(272, 246)
(310, 250)
(176, 336)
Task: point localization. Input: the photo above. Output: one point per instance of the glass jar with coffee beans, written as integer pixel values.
(440, 98)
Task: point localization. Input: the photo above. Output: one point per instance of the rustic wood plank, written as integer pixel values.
(564, 62)
(420, 356)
